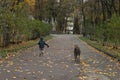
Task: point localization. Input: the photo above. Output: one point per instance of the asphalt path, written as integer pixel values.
(58, 63)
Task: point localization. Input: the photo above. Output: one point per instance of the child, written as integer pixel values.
(41, 46)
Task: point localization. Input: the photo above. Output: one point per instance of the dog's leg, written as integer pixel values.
(75, 56)
(78, 58)
(77, 53)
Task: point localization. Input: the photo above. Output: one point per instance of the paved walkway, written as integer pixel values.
(58, 63)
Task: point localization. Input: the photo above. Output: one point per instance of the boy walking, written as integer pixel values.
(42, 44)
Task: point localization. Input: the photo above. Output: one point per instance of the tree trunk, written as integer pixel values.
(119, 7)
(39, 9)
(4, 35)
(76, 29)
(83, 18)
(103, 11)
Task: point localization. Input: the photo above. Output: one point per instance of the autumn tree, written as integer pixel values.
(39, 9)
(98, 19)
(16, 26)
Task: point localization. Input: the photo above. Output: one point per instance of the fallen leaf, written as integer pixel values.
(6, 79)
(41, 73)
(28, 73)
(51, 71)
(10, 63)
(8, 71)
(71, 71)
(85, 63)
(14, 77)
(43, 79)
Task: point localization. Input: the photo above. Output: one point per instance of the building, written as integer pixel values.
(70, 24)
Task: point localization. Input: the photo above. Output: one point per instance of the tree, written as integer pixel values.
(16, 26)
(99, 21)
(39, 9)
(76, 29)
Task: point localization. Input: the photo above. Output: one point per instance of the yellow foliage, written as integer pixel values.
(30, 3)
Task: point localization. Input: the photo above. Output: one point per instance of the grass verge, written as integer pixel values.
(111, 52)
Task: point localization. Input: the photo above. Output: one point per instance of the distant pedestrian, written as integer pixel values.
(42, 44)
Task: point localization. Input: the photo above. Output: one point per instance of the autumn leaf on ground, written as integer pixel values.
(28, 73)
(50, 62)
(10, 63)
(6, 79)
(43, 79)
(8, 71)
(14, 77)
(1, 61)
(52, 76)
(33, 72)
(85, 70)
(71, 71)
(82, 77)
(64, 66)
(112, 73)
(85, 63)
(51, 71)
(96, 70)
(41, 72)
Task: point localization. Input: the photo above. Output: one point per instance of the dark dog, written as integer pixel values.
(77, 53)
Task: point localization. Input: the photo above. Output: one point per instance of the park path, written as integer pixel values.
(57, 63)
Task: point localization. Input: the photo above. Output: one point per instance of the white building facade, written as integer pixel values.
(70, 25)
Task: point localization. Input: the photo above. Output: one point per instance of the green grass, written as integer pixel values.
(24, 45)
(48, 37)
(111, 52)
